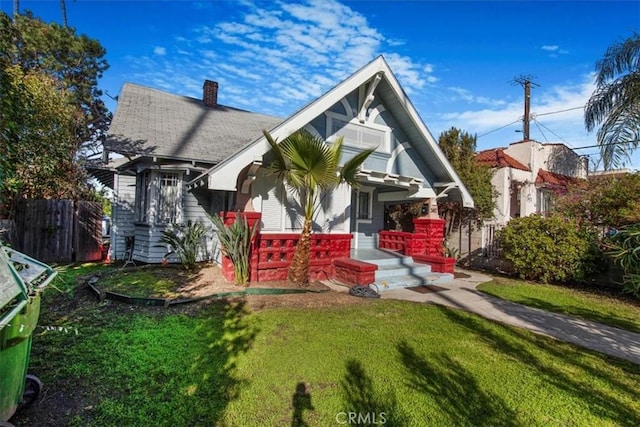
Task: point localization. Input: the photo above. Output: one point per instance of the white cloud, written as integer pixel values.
(161, 51)
(466, 95)
(554, 50)
(291, 53)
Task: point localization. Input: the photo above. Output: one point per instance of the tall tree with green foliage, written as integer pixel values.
(52, 119)
(308, 166)
(615, 103)
(460, 149)
(37, 135)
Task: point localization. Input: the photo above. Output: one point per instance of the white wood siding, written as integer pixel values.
(194, 211)
(123, 213)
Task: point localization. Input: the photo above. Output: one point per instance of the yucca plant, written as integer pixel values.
(624, 248)
(185, 240)
(235, 240)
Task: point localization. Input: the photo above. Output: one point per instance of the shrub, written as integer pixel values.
(235, 240)
(550, 249)
(624, 248)
(185, 240)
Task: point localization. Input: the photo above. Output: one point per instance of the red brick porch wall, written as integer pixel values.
(425, 244)
(271, 253)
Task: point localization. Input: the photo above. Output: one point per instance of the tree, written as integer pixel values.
(308, 166)
(460, 149)
(615, 103)
(52, 68)
(37, 150)
(602, 200)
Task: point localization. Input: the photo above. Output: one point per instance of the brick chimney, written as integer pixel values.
(210, 93)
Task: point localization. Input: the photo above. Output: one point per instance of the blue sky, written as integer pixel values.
(457, 60)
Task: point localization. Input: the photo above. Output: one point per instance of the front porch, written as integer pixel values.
(402, 260)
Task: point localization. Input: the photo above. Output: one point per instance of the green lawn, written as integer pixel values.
(583, 303)
(409, 364)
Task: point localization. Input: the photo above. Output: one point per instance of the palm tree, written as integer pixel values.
(616, 102)
(308, 166)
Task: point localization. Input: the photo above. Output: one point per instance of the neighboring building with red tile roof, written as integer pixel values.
(554, 180)
(527, 173)
(497, 158)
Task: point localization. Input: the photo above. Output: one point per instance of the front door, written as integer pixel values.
(367, 218)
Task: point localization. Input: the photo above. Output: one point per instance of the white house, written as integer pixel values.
(192, 157)
(527, 173)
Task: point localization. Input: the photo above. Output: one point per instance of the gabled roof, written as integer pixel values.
(155, 123)
(497, 158)
(554, 180)
(223, 175)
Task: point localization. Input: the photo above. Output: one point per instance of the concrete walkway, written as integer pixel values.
(462, 293)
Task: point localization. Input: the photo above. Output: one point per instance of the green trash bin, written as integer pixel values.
(22, 279)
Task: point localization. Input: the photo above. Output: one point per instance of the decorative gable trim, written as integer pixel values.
(223, 175)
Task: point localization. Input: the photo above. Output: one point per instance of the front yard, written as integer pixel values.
(263, 360)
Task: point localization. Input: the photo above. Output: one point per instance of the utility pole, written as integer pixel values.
(526, 83)
(63, 9)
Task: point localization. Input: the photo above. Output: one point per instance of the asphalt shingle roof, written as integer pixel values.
(173, 126)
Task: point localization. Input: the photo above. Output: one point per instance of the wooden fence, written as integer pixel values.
(60, 230)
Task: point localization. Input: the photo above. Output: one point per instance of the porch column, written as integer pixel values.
(434, 230)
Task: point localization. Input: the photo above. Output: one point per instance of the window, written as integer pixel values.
(159, 197)
(544, 201)
(143, 196)
(359, 136)
(169, 198)
(364, 205)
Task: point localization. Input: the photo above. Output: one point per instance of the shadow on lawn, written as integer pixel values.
(301, 402)
(364, 404)
(139, 365)
(592, 315)
(227, 336)
(455, 390)
(548, 359)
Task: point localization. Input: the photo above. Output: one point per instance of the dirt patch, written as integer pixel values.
(208, 280)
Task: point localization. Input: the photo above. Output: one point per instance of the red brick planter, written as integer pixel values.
(439, 264)
(354, 272)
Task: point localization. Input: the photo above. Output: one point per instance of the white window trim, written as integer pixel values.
(386, 148)
(369, 191)
(152, 195)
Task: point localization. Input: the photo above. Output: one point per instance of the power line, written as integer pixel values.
(538, 126)
(560, 111)
(500, 128)
(555, 134)
(604, 145)
(535, 115)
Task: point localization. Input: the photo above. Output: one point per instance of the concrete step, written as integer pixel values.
(408, 269)
(397, 282)
(391, 260)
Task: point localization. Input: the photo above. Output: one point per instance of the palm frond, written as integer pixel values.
(350, 169)
(280, 165)
(624, 92)
(615, 103)
(619, 58)
(619, 136)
